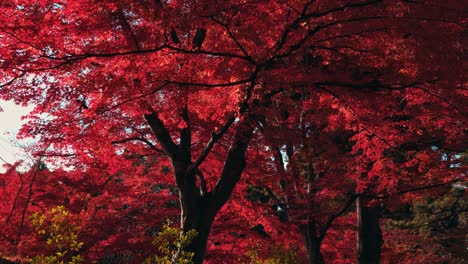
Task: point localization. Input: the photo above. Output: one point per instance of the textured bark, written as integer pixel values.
(369, 241)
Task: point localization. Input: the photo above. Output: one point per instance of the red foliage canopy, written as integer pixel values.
(330, 99)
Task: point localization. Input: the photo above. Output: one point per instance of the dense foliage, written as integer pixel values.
(276, 131)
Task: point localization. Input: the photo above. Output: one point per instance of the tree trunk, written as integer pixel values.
(199, 244)
(198, 205)
(369, 240)
(199, 216)
(311, 242)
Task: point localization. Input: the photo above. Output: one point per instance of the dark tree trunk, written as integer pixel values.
(209, 204)
(198, 205)
(312, 242)
(200, 220)
(199, 244)
(369, 240)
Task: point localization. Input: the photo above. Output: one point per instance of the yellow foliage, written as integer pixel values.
(60, 234)
(168, 242)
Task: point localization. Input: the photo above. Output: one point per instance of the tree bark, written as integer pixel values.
(199, 206)
(312, 242)
(199, 218)
(369, 240)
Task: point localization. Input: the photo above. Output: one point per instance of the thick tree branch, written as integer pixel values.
(186, 134)
(372, 84)
(234, 165)
(71, 58)
(162, 134)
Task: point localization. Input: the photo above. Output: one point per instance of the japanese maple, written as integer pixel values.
(356, 91)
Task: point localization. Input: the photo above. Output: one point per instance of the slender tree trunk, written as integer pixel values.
(312, 242)
(369, 240)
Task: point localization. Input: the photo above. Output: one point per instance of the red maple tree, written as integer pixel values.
(353, 94)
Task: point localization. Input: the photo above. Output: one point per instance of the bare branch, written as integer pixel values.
(20, 175)
(11, 81)
(144, 140)
(231, 35)
(304, 16)
(416, 189)
(341, 8)
(136, 97)
(443, 100)
(211, 53)
(332, 218)
(209, 85)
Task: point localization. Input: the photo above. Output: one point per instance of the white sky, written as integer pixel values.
(10, 123)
